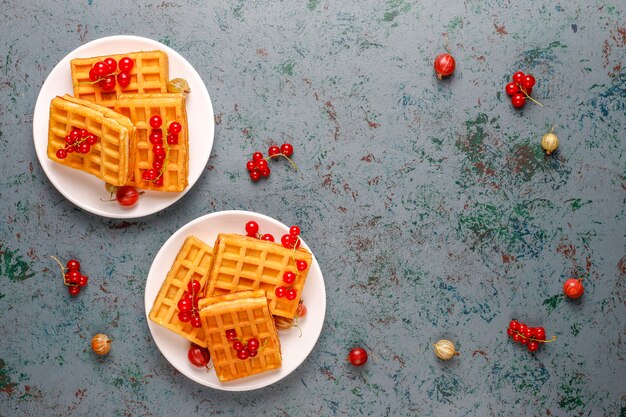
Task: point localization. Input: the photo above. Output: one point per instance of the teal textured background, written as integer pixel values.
(429, 204)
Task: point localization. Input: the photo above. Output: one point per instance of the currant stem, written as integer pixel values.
(527, 95)
(61, 265)
(532, 339)
(293, 164)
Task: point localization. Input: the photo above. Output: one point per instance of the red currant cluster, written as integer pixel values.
(72, 276)
(78, 140)
(245, 350)
(532, 337)
(188, 305)
(252, 230)
(520, 88)
(103, 73)
(292, 239)
(258, 166)
(160, 149)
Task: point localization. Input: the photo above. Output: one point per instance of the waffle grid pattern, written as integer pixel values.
(171, 107)
(150, 74)
(249, 317)
(242, 263)
(108, 158)
(193, 261)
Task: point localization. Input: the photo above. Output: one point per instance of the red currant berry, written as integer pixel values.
(237, 345)
(92, 140)
(155, 121)
(195, 321)
(273, 151)
(517, 337)
(185, 304)
(100, 69)
(75, 135)
(522, 328)
(159, 152)
(243, 354)
(510, 332)
(157, 165)
(158, 181)
(82, 281)
(257, 156)
(198, 356)
(294, 230)
(529, 333)
(265, 172)
(156, 137)
(286, 149)
(518, 100)
(72, 276)
(291, 294)
(108, 83)
(70, 140)
(175, 128)
(61, 154)
(540, 333)
(280, 292)
(533, 346)
(525, 341)
(357, 356)
(255, 175)
(127, 195)
(84, 148)
(83, 133)
(514, 324)
(267, 237)
(194, 286)
(123, 79)
(253, 344)
(253, 353)
(252, 228)
(74, 289)
(301, 265)
(512, 88)
(289, 277)
(287, 241)
(528, 91)
(518, 77)
(92, 75)
(184, 316)
(251, 165)
(261, 164)
(126, 64)
(172, 139)
(528, 81)
(111, 65)
(231, 334)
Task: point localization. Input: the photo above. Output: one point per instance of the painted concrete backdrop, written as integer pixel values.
(429, 204)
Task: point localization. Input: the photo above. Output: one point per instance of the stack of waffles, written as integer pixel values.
(238, 278)
(116, 124)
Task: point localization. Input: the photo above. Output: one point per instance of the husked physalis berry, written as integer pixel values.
(357, 356)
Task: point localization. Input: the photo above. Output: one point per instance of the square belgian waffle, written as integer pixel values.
(245, 263)
(150, 74)
(240, 316)
(171, 108)
(108, 159)
(193, 261)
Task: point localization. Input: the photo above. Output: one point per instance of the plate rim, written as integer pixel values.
(149, 302)
(41, 111)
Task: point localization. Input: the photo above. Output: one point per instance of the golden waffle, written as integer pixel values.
(150, 74)
(108, 159)
(244, 263)
(192, 262)
(171, 107)
(247, 314)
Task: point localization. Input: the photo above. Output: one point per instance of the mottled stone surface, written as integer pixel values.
(429, 204)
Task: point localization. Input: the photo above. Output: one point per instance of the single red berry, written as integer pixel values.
(357, 356)
(126, 64)
(267, 237)
(157, 165)
(108, 83)
(160, 156)
(294, 230)
(289, 277)
(156, 137)
(75, 135)
(243, 354)
(198, 356)
(72, 276)
(159, 151)
(517, 337)
(84, 148)
(127, 195)
(231, 334)
(518, 100)
(92, 75)
(528, 91)
(251, 165)
(253, 353)
(111, 65)
(444, 65)
(123, 79)
(172, 139)
(511, 88)
(518, 77)
(194, 286)
(533, 346)
(74, 289)
(286, 149)
(82, 281)
(528, 81)
(291, 294)
(185, 304)
(252, 228)
(525, 341)
(514, 324)
(280, 292)
(273, 150)
(522, 328)
(92, 140)
(253, 344)
(255, 175)
(184, 316)
(155, 121)
(573, 288)
(158, 181)
(237, 345)
(83, 133)
(287, 241)
(195, 321)
(100, 69)
(265, 172)
(257, 156)
(261, 164)
(529, 333)
(510, 332)
(540, 333)
(70, 140)
(61, 154)
(175, 128)
(301, 265)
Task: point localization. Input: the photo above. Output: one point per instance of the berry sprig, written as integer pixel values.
(103, 73)
(520, 88)
(258, 166)
(160, 148)
(72, 276)
(78, 140)
(252, 230)
(532, 337)
(188, 305)
(247, 349)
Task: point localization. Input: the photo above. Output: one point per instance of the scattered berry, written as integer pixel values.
(573, 288)
(127, 196)
(267, 237)
(286, 149)
(155, 121)
(252, 228)
(101, 344)
(198, 356)
(444, 65)
(126, 64)
(357, 356)
(301, 265)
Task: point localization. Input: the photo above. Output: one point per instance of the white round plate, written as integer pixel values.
(294, 347)
(87, 191)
